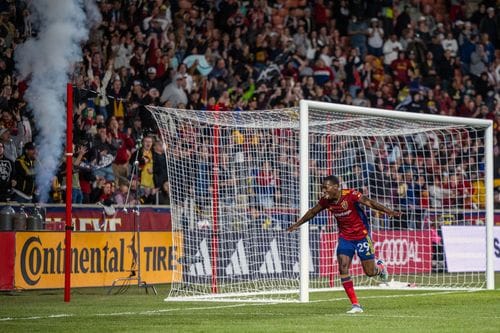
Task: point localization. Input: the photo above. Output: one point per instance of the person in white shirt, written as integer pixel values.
(375, 38)
(174, 92)
(450, 43)
(391, 49)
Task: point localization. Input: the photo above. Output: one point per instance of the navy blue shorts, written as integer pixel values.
(363, 247)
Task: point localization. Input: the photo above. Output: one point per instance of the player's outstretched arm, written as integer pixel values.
(378, 206)
(307, 216)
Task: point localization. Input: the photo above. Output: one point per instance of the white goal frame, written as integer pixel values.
(305, 105)
(310, 117)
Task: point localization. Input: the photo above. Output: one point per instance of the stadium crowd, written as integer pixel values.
(246, 55)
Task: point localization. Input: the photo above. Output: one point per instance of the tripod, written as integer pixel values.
(136, 238)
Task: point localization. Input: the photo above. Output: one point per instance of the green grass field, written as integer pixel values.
(92, 310)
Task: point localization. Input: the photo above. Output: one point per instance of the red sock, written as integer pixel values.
(349, 289)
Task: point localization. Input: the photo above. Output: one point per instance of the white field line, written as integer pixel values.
(61, 315)
(205, 308)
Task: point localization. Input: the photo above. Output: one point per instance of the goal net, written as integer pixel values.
(237, 179)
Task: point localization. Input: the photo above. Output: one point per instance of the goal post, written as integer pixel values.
(238, 179)
(304, 199)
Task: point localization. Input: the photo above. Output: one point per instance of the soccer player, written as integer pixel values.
(354, 232)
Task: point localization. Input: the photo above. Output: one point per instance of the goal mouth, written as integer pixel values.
(239, 179)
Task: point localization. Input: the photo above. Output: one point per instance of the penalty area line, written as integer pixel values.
(205, 308)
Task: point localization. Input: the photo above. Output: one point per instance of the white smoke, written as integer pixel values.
(47, 60)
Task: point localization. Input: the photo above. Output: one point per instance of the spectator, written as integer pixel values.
(266, 185)
(450, 44)
(320, 13)
(409, 198)
(322, 73)
(417, 104)
(163, 195)
(118, 93)
(429, 71)
(392, 47)
(174, 92)
(152, 80)
(357, 30)
(341, 14)
(106, 194)
(159, 165)
(478, 61)
(478, 15)
(144, 157)
(401, 68)
(120, 196)
(103, 154)
(76, 192)
(25, 174)
(375, 38)
(489, 25)
(423, 31)
(101, 100)
(124, 145)
(10, 144)
(7, 176)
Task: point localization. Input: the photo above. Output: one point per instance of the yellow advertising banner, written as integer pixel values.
(97, 258)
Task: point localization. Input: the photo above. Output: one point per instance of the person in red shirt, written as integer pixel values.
(401, 67)
(320, 13)
(354, 231)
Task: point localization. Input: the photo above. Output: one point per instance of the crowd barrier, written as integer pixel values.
(86, 218)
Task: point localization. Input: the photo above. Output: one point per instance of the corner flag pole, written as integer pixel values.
(69, 187)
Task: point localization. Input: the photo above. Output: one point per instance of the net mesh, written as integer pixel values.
(234, 182)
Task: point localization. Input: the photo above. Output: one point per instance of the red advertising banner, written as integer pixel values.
(95, 219)
(403, 252)
(7, 260)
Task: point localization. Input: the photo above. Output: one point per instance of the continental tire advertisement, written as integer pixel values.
(97, 258)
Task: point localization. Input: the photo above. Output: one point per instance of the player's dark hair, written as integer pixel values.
(332, 178)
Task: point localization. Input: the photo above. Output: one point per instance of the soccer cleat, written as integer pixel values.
(356, 308)
(384, 276)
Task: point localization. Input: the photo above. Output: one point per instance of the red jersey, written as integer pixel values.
(351, 219)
